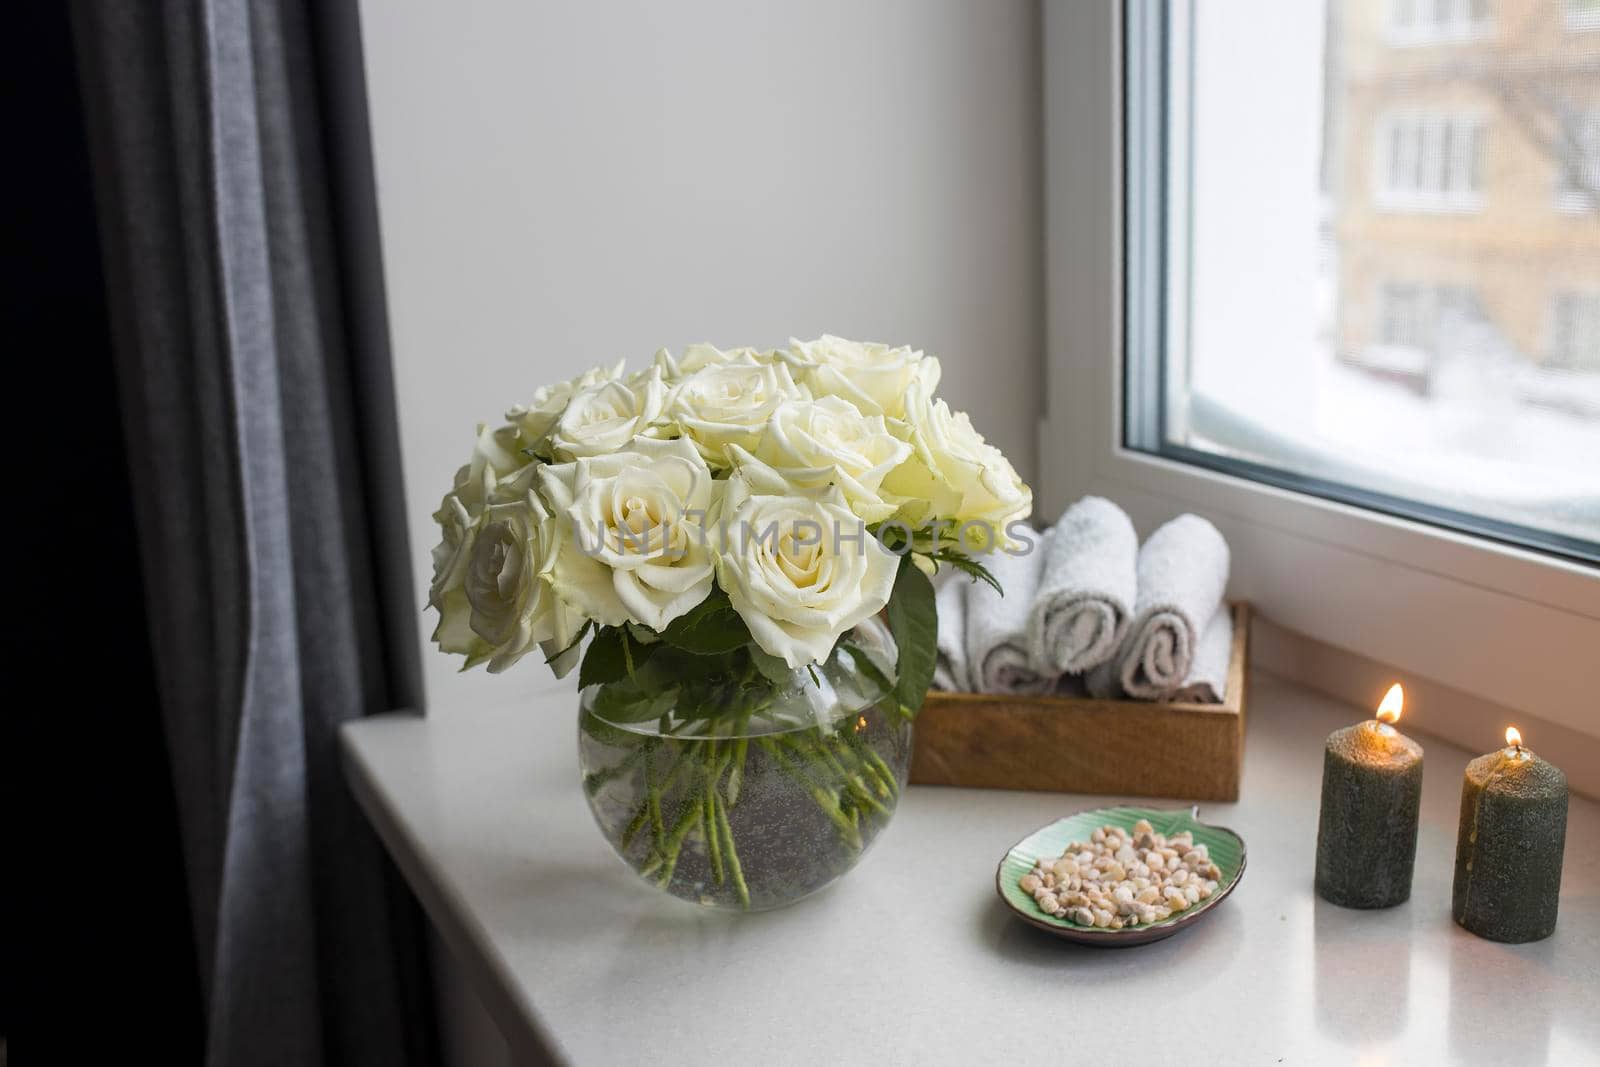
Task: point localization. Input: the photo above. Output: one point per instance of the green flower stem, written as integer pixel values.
(732, 854)
(873, 765)
(736, 777)
(650, 810)
(871, 770)
(653, 801)
(714, 765)
(593, 783)
(713, 846)
(824, 800)
(814, 749)
(698, 813)
(667, 862)
(635, 824)
(851, 780)
(870, 756)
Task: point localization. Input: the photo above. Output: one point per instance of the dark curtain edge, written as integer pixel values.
(345, 143)
(339, 58)
(358, 249)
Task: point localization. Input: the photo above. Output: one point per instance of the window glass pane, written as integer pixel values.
(1392, 275)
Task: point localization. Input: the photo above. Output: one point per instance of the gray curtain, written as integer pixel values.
(233, 182)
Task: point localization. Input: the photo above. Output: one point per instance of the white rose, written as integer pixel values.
(536, 418)
(603, 418)
(730, 404)
(491, 585)
(447, 595)
(816, 443)
(497, 453)
(698, 357)
(799, 567)
(953, 473)
(633, 545)
(873, 377)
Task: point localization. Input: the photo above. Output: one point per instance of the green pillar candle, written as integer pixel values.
(1508, 849)
(1371, 793)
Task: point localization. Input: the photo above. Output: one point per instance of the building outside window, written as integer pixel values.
(1458, 276)
(1385, 301)
(1578, 163)
(1575, 331)
(1583, 14)
(1430, 162)
(1422, 22)
(1418, 322)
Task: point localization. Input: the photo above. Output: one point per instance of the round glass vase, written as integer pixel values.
(764, 798)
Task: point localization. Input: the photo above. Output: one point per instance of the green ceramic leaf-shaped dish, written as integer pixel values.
(1225, 846)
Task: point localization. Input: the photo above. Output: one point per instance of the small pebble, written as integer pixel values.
(1119, 879)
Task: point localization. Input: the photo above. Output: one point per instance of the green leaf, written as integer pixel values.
(624, 701)
(669, 666)
(604, 661)
(642, 634)
(771, 667)
(967, 565)
(868, 666)
(914, 621)
(612, 656)
(710, 628)
(583, 632)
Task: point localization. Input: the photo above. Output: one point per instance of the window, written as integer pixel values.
(1575, 333)
(1429, 163)
(1184, 284)
(1421, 319)
(1577, 136)
(1583, 14)
(1299, 314)
(1417, 22)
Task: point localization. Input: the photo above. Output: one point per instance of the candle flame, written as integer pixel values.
(1393, 701)
(1513, 737)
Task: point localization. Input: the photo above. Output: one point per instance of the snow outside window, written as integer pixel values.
(1369, 292)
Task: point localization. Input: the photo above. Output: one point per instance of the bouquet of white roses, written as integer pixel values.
(715, 523)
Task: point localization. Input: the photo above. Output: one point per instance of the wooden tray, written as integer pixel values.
(1083, 745)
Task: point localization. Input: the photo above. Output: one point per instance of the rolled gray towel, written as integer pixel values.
(997, 627)
(950, 667)
(1208, 678)
(1183, 570)
(1087, 588)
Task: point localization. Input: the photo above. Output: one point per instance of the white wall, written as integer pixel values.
(565, 183)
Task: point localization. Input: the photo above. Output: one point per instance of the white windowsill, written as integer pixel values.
(912, 958)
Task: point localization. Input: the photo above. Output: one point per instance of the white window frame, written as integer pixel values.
(1511, 627)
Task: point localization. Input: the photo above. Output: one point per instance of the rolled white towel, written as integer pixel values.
(1087, 588)
(997, 627)
(1070, 685)
(950, 667)
(1208, 678)
(1101, 682)
(1183, 570)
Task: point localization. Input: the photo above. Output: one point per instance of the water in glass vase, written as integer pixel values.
(759, 797)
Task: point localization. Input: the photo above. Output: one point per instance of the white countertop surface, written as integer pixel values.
(911, 958)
